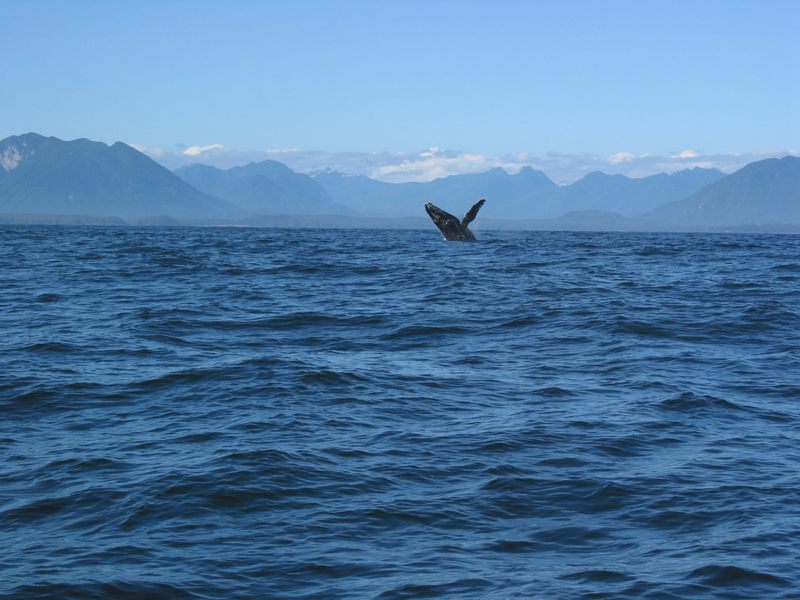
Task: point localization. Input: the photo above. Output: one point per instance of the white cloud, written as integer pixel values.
(151, 151)
(625, 157)
(430, 152)
(435, 162)
(621, 157)
(198, 150)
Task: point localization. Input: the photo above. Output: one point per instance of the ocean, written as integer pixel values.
(224, 413)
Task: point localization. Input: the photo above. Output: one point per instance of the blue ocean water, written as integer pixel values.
(254, 413)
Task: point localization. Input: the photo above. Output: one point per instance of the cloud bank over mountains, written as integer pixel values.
(434, 163)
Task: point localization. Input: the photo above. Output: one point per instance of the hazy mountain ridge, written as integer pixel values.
(529, 194)
(765, 192)
(511, 195)
(45, 175)
(625, 195)
(265, 187)
(46, 180)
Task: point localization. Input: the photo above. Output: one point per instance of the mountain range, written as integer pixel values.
(44, 179)
(45, 175)
(266, 187)
(529, 194)
(765, 192)
(512, 195)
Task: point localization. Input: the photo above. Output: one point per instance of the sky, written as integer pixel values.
(412, 89)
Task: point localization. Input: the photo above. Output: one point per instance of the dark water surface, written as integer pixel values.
(231, 413)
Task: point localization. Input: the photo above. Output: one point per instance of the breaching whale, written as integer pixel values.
(450, 226)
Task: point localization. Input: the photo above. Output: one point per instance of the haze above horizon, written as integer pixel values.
(503, 84)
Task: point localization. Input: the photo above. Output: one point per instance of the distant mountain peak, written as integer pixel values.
(27, 138)
(16, 149)
(529, 173)
(765, 192)
(264, 187)
(595, 175)
(46, 175)
(496, 171)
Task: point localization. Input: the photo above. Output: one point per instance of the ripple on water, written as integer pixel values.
(216, 413)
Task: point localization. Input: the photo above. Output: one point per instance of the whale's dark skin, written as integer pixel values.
(451, 227)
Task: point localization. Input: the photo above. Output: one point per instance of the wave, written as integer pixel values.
(215, 413)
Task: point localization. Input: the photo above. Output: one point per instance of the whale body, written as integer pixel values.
(453, 228)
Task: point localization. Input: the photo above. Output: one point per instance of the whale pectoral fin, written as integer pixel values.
(472, 212)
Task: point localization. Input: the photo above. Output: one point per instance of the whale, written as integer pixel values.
(453, 228)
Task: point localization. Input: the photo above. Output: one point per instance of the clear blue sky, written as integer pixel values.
(369, 76)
